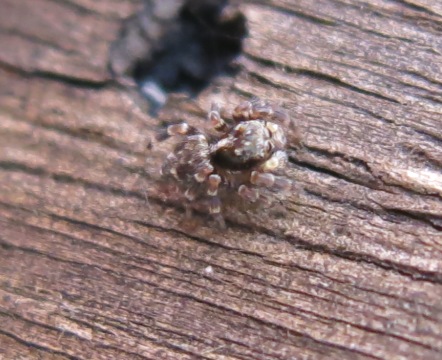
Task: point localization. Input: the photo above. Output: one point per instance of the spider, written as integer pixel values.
(245, 155)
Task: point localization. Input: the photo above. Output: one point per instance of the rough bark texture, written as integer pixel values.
(95, 265)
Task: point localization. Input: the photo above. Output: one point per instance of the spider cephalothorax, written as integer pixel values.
(246, 154)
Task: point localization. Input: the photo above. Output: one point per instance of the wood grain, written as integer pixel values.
(95, 263)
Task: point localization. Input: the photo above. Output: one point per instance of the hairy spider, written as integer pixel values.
(245, 155)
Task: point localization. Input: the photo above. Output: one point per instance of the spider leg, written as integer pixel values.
(264, 177)
(213, 183)
(189, 211)
(281, 117)
(204, 169)
(215, 118)
(293, 134)
(177, 129)
(252, 110)
(189, 161)
(242, 111)
(168, 167)
(248, 193)
(260, 109)
(277, 161)
(215, 210)
(270, 181)
(220, 220)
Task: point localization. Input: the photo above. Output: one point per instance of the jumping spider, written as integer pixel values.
(243, 155)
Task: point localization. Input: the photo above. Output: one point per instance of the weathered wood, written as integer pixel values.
(95, 264)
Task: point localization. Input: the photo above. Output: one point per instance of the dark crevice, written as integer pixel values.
(67, 179)
(307, 340)
(229, 323)
(87, 11)
(423, 77)
(430, 220)
(415, 7)
(70, 80)
(177, 349)
(388, 265)
(349, 323)
(349, 104)
(77, 7)
(427, 219)
(194, 237)
(392, 215)
(330, 172)
(56, 77)
(432, 137)
(134, 332)
(33, 345)
(433, 98)
(417, 17)
(320, 76)
(181, 51)
(123, 354)
(409, 271)
(14, 166)
(235, 272)
(225, 269)
(90, 134)
(265, 82)
(37, 40)
(354, 161)
(60, 353)
(368, 180)
(299, 14)
(304, 338)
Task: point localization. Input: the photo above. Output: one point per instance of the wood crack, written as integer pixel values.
(417, 274)
(316, 75)
(96, 258)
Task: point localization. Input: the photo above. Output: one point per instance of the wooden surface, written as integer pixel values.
(95, 265)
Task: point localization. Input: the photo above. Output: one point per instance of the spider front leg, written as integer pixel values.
(260, 109)
(270, 181)
(264, 177)
(252, 110)
(215, 118)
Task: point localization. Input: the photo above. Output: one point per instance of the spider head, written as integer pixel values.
(247, 144)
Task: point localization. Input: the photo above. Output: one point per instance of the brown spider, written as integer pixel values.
(243, 156)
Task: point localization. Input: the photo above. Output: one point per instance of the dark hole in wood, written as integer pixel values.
(181, 49)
